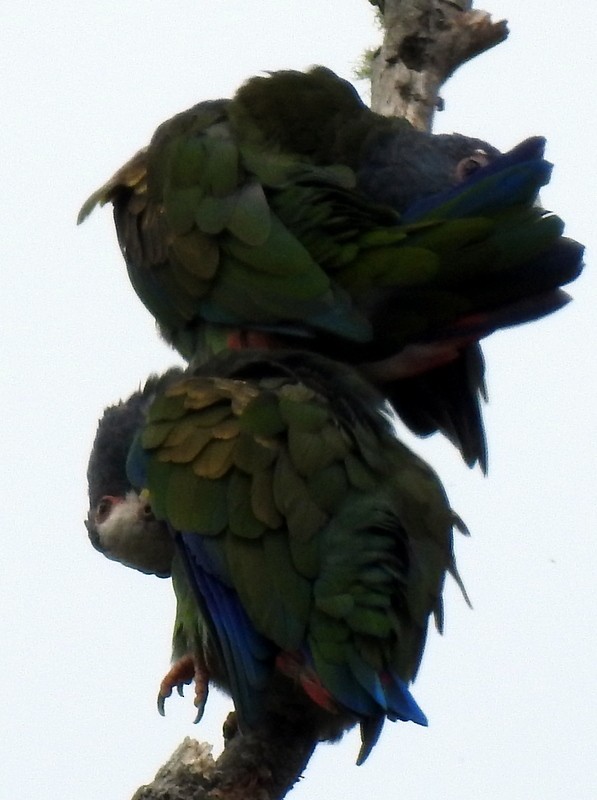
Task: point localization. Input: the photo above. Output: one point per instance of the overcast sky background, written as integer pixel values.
(510, 689)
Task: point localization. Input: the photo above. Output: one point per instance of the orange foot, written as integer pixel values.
(184, 671)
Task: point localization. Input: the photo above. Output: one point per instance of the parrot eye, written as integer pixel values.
(470, 164)
(147, 512)
(103, 508)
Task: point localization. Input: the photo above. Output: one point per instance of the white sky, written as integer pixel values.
(509, 690)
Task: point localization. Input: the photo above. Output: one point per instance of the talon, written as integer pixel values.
(186, 670)
(201, 677)
(199, 714)
(181, 672)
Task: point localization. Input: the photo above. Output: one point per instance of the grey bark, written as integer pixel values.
(263, 764)
(425, 41)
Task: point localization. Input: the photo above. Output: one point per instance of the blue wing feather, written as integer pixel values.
(247, 655)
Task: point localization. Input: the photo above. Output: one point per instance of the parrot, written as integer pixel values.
(307, 546)
(293, 216)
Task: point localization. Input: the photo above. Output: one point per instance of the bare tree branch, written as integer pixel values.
(425, 41)
(186, 774)
(263, 764)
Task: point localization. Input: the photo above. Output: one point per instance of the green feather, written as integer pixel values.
(212, 214)
(156, 433)
(300, 411)
(262, 417)
(180, 206)
(215, 460)
(181, 497)
(292, 592)
(198, 255)
(254, 584)
(263, 504)
(250, 220)
(328, 486)
(303, 517)
(189, 159)
(241, 519)
(220, 173)
(187, 447)
(280, 254)
(253, 455)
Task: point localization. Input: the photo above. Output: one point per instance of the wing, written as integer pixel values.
(311, 536)
(202, 242)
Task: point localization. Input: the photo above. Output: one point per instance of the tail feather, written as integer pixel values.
(447, 399)
(361, 689)
(370, 732)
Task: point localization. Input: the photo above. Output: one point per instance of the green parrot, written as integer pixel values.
(309, 546)
(293, 216)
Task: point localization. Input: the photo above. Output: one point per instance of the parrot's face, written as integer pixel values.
(400, 170)
(125, 530)
(120, 522)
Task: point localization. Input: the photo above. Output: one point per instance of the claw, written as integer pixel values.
(200, 710)
(184, 671)
(201, 677)
(180, 673)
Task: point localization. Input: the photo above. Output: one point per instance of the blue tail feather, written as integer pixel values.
(358, 687)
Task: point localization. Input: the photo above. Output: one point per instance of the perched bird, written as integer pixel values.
(310, 546)
(294, 216)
